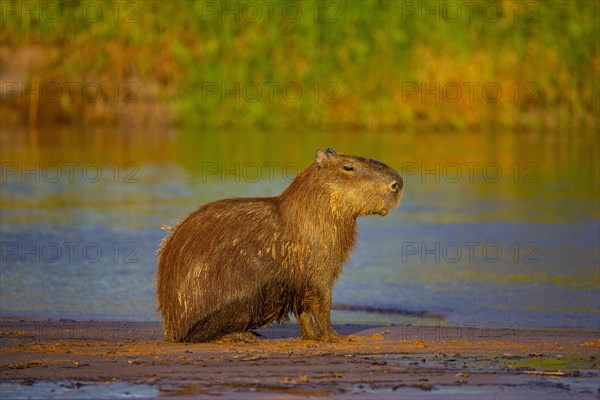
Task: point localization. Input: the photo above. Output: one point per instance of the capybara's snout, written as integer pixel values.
(395, 184)
(396, 181)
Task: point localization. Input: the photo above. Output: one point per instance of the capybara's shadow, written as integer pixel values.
(292, 331)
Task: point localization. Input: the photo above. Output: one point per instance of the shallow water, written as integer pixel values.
(493, 229)
(77, 390)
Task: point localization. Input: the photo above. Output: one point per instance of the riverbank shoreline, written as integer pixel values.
(101, 359)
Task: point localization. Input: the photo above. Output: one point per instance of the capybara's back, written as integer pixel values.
(237, 264)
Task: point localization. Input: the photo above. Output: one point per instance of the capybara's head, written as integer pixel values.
(358, 185)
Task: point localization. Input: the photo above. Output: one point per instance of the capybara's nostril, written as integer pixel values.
(394, 186)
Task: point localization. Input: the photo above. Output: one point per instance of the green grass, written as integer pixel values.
(352, 60)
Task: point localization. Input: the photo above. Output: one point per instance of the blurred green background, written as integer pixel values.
(360, 65)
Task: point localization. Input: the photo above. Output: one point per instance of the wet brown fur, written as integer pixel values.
(237, 264)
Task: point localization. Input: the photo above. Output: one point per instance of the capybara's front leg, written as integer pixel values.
(307, 326)
(322, 315)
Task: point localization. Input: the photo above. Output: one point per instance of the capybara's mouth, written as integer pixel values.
(383, 212)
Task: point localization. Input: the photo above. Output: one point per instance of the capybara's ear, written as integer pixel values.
(321, 158)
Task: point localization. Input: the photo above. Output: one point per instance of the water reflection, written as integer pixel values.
(493, 228)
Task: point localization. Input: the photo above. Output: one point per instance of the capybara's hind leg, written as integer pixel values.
(229, 319)
(246, 337)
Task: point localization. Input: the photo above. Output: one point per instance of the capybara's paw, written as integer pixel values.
(332, 337)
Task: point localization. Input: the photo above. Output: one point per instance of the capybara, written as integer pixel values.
(237, 264)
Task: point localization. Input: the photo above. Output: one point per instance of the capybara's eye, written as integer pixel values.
(349, 168)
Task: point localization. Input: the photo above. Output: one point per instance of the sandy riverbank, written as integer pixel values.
(92, 359)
